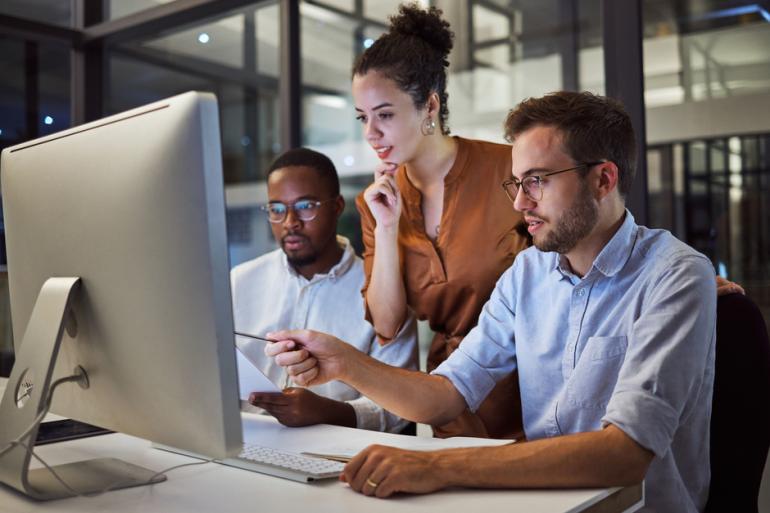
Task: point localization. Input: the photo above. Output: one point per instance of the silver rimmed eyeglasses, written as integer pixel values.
(305, 210)
(533, 184)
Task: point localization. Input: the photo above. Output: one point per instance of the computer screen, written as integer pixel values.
(133, 206)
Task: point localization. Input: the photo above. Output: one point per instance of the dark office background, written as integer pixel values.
(694, 74)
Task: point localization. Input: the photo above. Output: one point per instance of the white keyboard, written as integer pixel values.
(284, 464)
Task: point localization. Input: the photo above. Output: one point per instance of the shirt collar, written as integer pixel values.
(617, 251)
(339, 269)
(611, 258)
(409, 192)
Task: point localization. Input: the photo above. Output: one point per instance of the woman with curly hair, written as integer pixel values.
(438, 229)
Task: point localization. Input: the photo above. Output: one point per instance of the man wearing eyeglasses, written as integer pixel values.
(610, 325)
(312, 281)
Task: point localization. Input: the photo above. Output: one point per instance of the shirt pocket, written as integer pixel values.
(594, 378)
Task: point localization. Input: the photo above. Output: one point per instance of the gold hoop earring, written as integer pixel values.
(428, 126)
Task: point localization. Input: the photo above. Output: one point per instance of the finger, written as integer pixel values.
(393, 192)
(276, 410)
(380, 189)
(262, 398)
(365, 470)
(299, 368)
(376, 479)
(387, 487)
(299, 336)
(387, 181)
(282, 346)
(306, 378)
(352, 466)
(729, 288)
(385, 168)
(292, 357)
(356, 471)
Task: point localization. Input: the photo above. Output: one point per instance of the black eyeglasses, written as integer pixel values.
(533, 184)
(305, 210)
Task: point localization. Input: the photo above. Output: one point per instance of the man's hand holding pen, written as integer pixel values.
(310, 357)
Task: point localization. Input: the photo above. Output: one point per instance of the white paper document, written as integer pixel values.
(342, 442)
(250, 378)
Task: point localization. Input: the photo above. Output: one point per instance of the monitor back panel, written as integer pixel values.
(134, 206)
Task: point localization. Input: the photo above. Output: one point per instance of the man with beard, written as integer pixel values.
(610, 325)
(313, 281)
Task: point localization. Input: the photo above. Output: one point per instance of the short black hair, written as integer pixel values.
(309, 158)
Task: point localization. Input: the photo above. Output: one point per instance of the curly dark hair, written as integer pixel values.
(593, 128)
(414, 53)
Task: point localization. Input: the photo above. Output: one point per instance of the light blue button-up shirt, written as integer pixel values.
(630, 344)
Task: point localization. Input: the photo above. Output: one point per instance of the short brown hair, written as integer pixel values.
(594, 128)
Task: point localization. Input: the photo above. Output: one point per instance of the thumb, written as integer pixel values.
(294, 335)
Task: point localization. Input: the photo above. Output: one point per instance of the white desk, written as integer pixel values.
(216, 488)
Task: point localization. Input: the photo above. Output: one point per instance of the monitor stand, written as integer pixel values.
(26, 395)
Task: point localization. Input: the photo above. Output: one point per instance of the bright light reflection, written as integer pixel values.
(203, 38)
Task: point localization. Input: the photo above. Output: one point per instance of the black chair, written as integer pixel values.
(740, 418)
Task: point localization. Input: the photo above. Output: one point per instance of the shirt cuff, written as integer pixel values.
(374, 417)
(469, 378)
(650, 421)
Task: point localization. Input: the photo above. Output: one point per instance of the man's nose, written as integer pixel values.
(292, 219)
(522, 201)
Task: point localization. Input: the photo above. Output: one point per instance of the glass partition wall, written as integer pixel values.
(707, 89)
(281, 72)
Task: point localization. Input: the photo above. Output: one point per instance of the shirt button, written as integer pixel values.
(582, 292)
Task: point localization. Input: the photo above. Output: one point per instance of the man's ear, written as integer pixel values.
(339, 205)
(607, 179)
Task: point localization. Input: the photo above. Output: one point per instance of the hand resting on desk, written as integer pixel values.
(382, 471)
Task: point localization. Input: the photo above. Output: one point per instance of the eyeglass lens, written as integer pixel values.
(305, 210)
(531, 185)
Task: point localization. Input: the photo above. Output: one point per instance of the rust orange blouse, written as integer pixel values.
(448, 282)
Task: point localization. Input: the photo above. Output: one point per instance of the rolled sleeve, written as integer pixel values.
(370, 415)
(670, 356)
(469, 378)
(650, 421)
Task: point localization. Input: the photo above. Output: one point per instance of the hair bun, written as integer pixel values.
(428, 25)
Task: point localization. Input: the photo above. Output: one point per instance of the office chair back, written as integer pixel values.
(740, 418)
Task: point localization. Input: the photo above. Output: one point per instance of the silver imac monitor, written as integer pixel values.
(118, 275)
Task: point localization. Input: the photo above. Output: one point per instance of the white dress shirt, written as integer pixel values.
(268, 295)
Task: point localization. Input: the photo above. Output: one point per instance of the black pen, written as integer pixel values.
(255, 337)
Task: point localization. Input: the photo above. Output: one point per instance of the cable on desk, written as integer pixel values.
(76, 493)
(40, 416)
